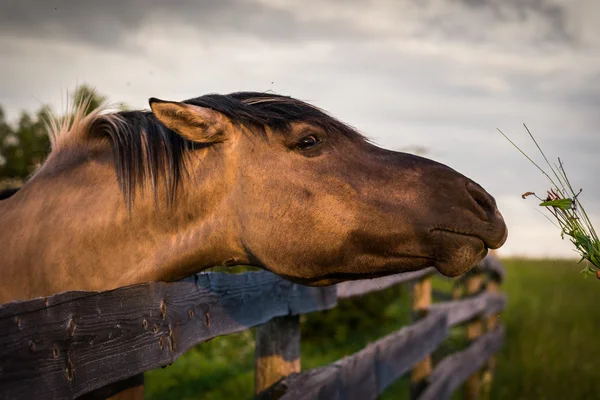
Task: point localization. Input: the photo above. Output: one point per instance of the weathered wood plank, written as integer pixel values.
(421, 302)
(14, 308)
(492, 321)
(367, 373)
(460, 311)
(68, 341)
(364, 286)
(400, 351)
(277, 352)
(310, 384)
(489, 264)
(72, 343)
(350, 371)
(474, 330)
(451, 372)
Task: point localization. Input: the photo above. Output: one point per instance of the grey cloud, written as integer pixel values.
(108, 22)
(556, 27)
(439, 74)
(93, 22)
(587, 95)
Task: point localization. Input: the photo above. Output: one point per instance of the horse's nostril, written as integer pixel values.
(486, 203)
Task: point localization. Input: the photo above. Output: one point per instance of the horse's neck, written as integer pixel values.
(50, 248)
(52, 245)
(12, 231)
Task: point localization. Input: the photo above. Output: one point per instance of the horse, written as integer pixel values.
(245, 178)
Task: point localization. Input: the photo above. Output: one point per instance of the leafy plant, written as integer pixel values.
(562, 202)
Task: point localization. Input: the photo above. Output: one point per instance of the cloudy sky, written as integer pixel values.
(435, 74)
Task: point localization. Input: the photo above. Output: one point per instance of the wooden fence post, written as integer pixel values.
(492, 322)
(421, 300)
(277, 352)
(474, 330)
(457, 291)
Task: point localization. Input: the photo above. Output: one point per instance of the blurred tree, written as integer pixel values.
(25, 146)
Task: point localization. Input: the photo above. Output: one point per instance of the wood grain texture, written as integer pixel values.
(367, 373)
(452, 371)
(474, 329)
(364, 286)
(72, 343)
(491, 323)
(461, 311)
(420, 307)
(277, 352)
(65, 344)
(489, 265)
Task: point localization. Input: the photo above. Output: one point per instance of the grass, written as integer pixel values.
(550, 350)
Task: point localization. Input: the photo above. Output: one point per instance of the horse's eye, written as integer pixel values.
(308, 142)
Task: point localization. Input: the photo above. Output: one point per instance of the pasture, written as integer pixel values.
(550, 350)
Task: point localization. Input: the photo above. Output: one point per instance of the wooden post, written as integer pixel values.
(474, 330)
(492, 322)
(277, 351)
(421, 300)
(457, 291)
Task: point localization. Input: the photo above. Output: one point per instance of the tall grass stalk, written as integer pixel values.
(562, 202)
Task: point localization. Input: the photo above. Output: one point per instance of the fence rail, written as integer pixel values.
(74, 343)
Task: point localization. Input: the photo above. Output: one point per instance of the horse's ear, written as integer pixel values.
(195, 123)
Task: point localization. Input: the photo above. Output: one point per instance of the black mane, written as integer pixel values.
(147, 152)
(271, 110)
(6, 193)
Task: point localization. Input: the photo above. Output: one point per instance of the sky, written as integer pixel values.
(439, 76)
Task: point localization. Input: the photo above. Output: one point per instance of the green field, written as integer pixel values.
(550, 350)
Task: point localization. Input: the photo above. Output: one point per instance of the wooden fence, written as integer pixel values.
(93, 344)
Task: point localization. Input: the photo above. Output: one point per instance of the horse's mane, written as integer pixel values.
(146, 152)
(6, 193)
